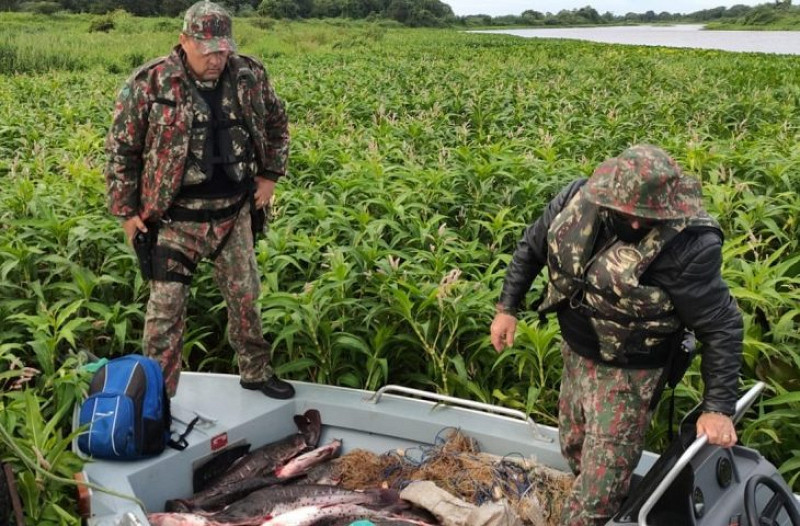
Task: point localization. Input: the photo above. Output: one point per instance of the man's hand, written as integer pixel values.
(718, 428)
(131, 226)
(503, 328)
(264, 191)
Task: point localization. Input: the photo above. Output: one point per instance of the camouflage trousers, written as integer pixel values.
(236, 276)
(603, 414)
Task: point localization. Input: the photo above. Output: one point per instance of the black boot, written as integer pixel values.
(273, 387)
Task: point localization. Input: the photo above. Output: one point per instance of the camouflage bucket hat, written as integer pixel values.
(644, 181)
(210, 25)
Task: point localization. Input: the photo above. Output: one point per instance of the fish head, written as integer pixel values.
(302, 463)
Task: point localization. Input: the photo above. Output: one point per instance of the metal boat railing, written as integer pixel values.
(452, 400)
(742, 405)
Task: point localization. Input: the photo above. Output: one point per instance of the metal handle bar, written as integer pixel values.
(480, 406)
(742, 405)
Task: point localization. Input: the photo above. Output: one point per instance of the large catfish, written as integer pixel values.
(304, 516)
(349, 512)
(258, 463)
(276, 500)
(293, 468)
(286, 504)
(190, 519)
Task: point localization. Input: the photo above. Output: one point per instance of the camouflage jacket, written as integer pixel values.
(150, 137)
(629, 317)
(687, 269)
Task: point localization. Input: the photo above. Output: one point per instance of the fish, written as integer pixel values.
(191, 519)
(281, 501)
(295, 467)
(303, 516)
(177, 519)
(386, 521)
(259, 463)
(264, 460)
(301, 464)
(213, 502)
(324, 473)
(212, 469)
(309, 515)
(275, 500)
(314, 514)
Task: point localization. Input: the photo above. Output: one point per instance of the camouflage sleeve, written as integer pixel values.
(277, 129)
(531, 253)
(124, 146)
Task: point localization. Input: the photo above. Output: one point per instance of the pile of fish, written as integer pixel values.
(284, 483)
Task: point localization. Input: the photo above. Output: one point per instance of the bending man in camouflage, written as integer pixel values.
(633, 260)
(198, 140)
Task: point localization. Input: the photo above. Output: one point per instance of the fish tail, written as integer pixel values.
(310, 426)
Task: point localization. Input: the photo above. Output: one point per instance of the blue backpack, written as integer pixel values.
(127, 410)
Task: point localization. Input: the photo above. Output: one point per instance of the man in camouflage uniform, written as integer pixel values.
(198, 140)
(633, 261)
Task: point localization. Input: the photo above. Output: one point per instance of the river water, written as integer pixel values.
(685, 36)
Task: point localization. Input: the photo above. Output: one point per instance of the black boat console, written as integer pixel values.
(697, 484)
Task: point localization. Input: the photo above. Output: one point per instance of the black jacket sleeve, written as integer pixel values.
(704, 304)
(531, 253)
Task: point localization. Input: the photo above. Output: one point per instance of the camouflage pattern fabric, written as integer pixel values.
(155, 148)
(644, 181)
(629, 317)
(602, 418)
(236, 276)
(153, 129)
(211, 25)
(236, 137)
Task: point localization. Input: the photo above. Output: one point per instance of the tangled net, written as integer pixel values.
(455, 464)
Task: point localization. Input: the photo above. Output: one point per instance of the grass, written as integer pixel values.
(418, 157)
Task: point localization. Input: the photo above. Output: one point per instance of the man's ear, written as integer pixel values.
(183, 40)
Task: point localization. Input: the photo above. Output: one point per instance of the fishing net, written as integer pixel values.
(455, 464)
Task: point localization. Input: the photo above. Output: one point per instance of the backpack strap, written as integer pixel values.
(180, 443)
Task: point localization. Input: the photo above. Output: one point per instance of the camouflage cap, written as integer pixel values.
(210, 25)
(644, 181)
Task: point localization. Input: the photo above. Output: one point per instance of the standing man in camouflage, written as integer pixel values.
(633, 261)
(198, 140)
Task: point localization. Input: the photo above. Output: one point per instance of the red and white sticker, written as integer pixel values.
(219, 441)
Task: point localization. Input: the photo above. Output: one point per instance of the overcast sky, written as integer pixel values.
(618, 7)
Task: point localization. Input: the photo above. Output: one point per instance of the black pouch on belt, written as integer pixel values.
(684, 350)
(144, 244)
(259, 216)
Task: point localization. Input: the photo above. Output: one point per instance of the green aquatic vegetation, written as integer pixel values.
(418, 158)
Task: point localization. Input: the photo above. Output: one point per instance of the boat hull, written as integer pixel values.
(231, 415)
(395, 418)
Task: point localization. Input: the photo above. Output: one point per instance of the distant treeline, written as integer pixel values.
(738, 15)
(407, 12)
(422, 12)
